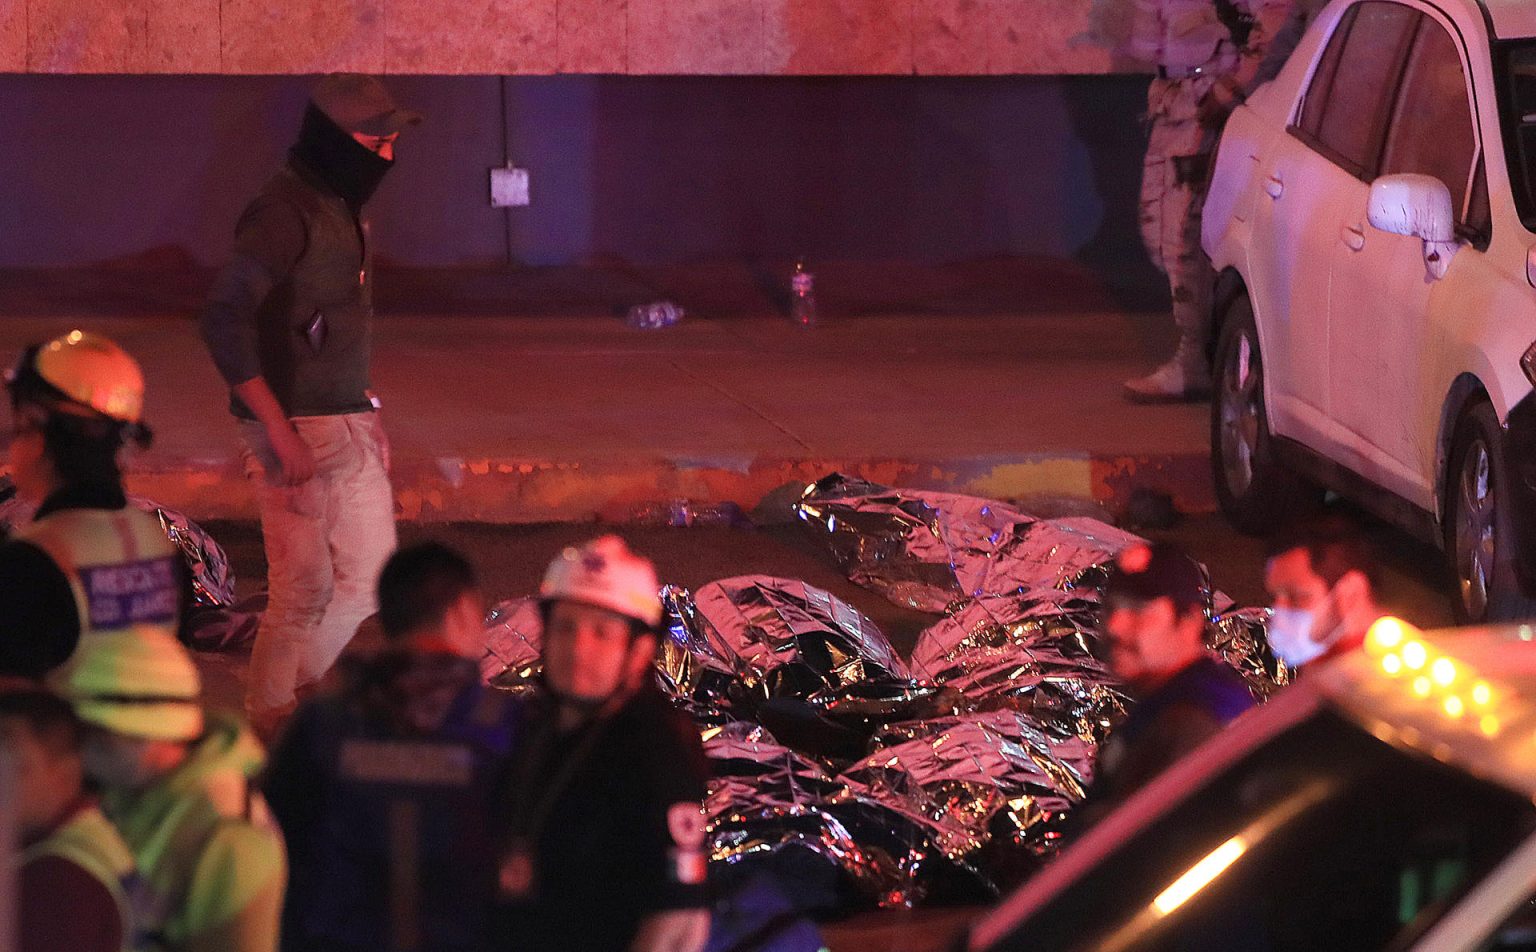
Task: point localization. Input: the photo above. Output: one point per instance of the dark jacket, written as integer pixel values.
(295, 303)
(383, 792)
(1170, 722)
(608, 818)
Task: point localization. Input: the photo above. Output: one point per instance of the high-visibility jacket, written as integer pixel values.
(120, 565)
(210, 854)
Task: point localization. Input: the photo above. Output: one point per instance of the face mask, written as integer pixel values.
(1291, 636)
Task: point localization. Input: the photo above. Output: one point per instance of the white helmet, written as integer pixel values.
(605, 573)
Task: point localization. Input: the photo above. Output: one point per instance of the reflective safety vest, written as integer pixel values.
(120, 565)
(91, 842)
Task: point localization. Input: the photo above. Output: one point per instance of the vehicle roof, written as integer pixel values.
(1464, 696)
(1510, 18)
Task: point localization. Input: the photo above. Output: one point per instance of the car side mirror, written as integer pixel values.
(1418, 206)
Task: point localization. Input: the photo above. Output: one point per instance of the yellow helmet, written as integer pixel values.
(140, 683)
(84, 369)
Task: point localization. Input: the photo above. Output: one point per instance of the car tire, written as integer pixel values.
(1254, 489)
(1479, 527)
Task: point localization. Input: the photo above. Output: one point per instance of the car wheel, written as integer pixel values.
(1256, 492)
(1479, 530)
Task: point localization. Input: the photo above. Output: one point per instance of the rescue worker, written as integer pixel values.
(1155, 614)
(1322, 577)
(1209, 56)
(288, 324)
(75, 874)
(89, 563)
(177, 785)
(384, 789)
(604, 846)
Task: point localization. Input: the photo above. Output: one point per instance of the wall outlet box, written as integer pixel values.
(509, 187)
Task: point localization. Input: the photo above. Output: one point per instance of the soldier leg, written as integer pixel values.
(1173, 219)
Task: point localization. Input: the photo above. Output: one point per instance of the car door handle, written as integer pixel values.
(1274, 186)
(1354, 236)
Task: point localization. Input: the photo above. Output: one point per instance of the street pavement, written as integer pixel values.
(997, 379)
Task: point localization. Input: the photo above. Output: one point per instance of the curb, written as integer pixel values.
(521, 490)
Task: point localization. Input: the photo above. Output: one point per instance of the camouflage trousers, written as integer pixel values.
(1173, 182)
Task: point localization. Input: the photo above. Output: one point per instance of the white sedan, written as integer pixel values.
(1372, 219)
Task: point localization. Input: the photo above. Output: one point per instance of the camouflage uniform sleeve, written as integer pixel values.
(1146, 41)
(1277, 27)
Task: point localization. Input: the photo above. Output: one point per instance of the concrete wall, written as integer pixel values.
(503, 37)
(646, 170)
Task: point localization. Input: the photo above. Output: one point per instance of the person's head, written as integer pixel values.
(75, 400)
(39, 730)
(1322, 579)
(1154, 615)
(349, 132)
(429, 597)
(601, 607)
(139, 696)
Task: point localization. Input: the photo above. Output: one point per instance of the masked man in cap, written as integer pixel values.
(1155, 606)
(288, 324)
(89, 563)
(1209, 55)
(604, 848)
(178, 786)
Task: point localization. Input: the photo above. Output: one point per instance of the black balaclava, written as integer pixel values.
(347, 167)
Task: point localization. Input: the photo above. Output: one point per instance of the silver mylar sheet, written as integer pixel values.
(962, 778)
(1032, 655)
(213, 581)
(765, 800)
(791, 639)
(514, 638)
(927, 550)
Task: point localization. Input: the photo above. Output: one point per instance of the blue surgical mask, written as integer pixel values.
(1292, 636)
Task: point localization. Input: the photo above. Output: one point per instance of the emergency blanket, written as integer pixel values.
(867, 779)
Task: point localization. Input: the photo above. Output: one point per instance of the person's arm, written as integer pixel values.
(269, 240)
(675, 835)
(236, 900)
(671, 840)
(39, 620)
(1146, 40)
(293, 453)
(1277, 27)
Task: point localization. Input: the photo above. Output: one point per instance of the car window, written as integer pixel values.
(1516, 65)
(1322, 77)
(1323, 838)
(1346, 117)
(1431, 131)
